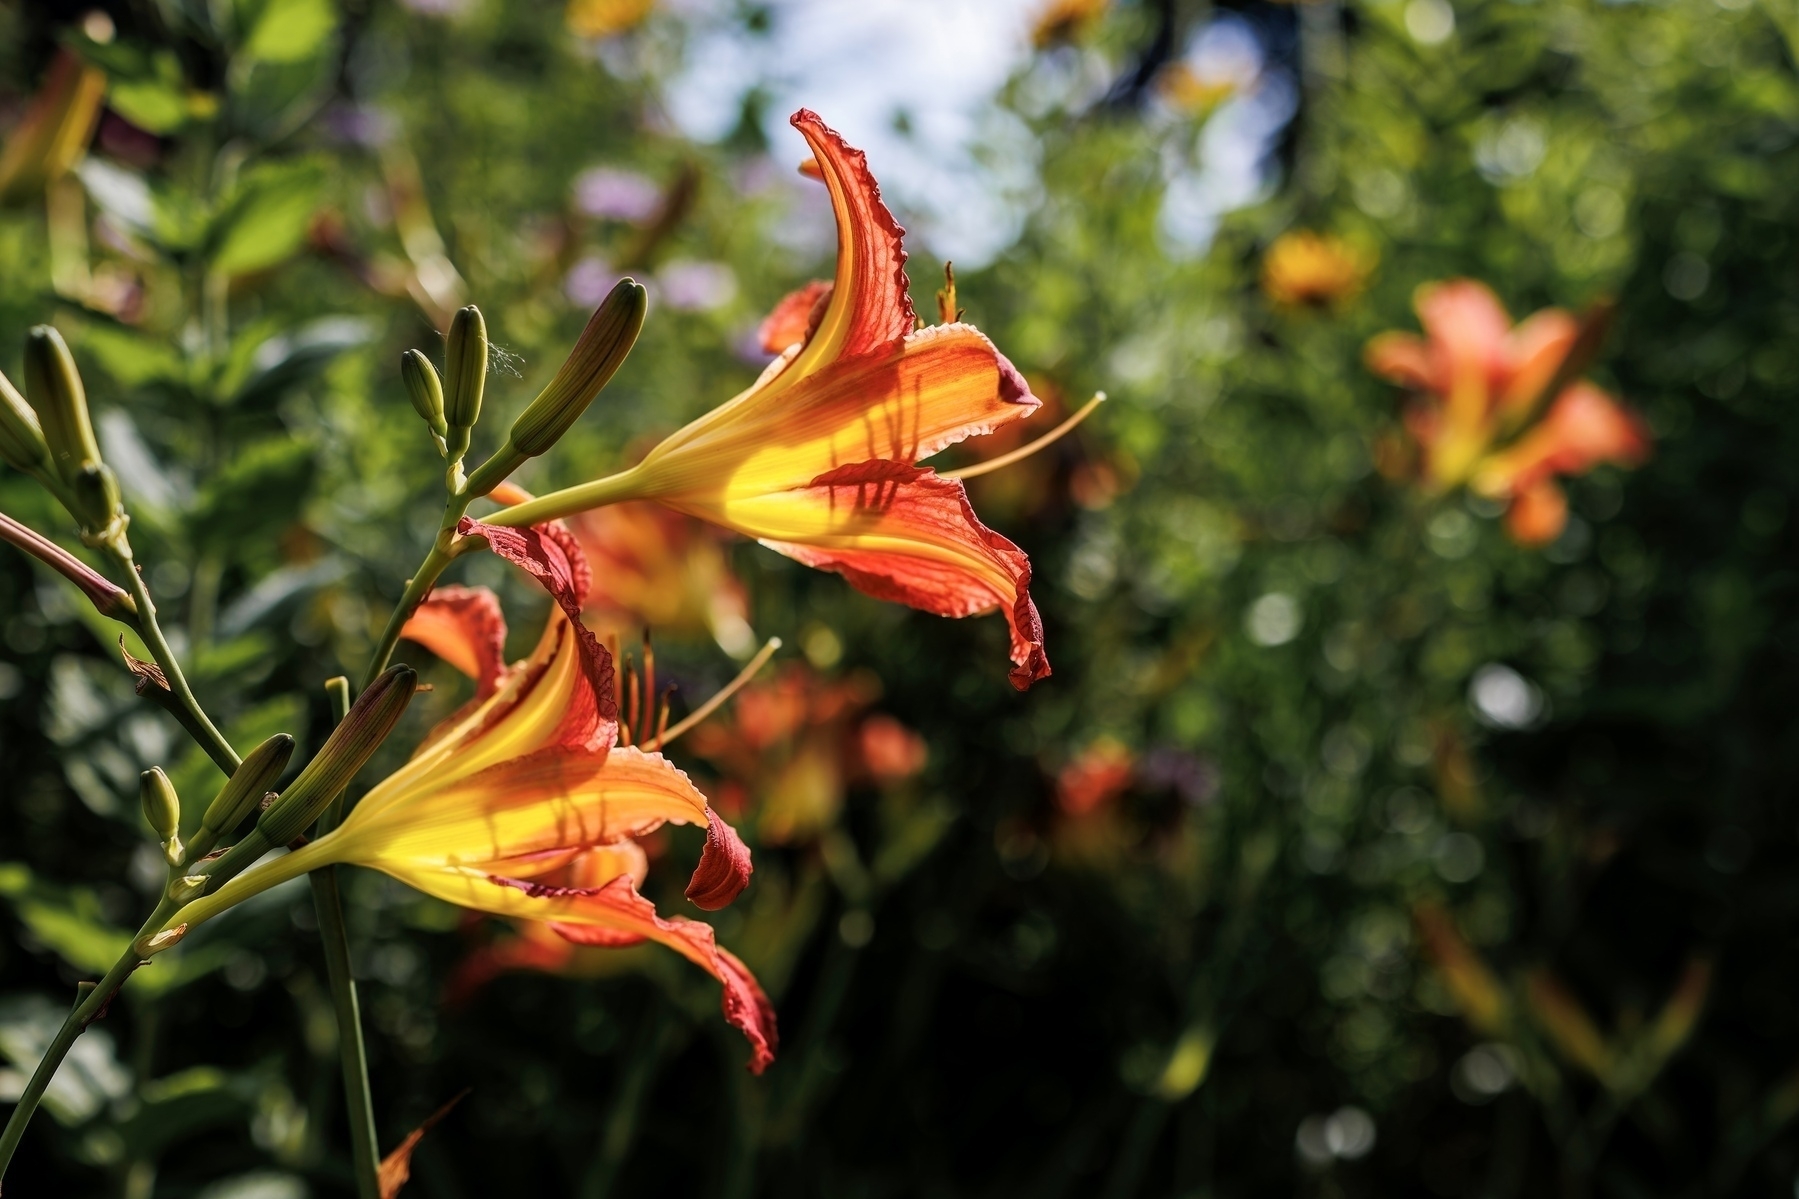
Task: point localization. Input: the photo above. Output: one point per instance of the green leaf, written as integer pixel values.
(67, 921)
(150, 104)
(267, 219)
(259, 493)
(290, 31)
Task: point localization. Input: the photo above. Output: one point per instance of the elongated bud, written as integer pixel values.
(601, 349)
(54, 387)
(465, 368)
(351, 744)
(425, 390)
(162, 807)
(95, 492)
(246, 787)
(22, 444)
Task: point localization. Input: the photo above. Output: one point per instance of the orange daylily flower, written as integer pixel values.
(1303, 269)
(521, 804)
(1478, 382)
(817, 460)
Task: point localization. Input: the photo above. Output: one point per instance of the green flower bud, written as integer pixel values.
(54, 387)
(599, 352)
(245, 788)
(162, 809)
(22, 444)
(372, 717)
(95, 492)
(465, 368)
(425, 390)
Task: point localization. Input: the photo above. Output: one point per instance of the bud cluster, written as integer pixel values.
(48, 434)
(451, 404)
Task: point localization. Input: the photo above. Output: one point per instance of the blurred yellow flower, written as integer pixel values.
(55, 130)
(1063, 21)
(1303, 269)
(1185, 89)
(605, 18)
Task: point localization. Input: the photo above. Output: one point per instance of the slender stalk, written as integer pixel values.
(327, 899)
(359, 1103)
(1025, 451)
(417, 588)
(198, 723)
(724, 693)
(87, 1009)
(568, 501)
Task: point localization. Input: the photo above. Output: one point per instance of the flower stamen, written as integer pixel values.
(1025, 451)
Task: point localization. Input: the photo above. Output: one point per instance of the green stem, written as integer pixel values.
(359, 1103)
(86, 1010)
(327, 899)
(417, 588)
(195, 718)
(623, 486)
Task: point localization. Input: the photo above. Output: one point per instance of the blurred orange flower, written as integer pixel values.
(605, 18)
(1062, 21)
(658, 569)
(1095, 777)
(1303, 269)
(793, 744)
(1480, 388)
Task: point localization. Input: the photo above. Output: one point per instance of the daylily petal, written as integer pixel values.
(1535, 351)
(901, 533)
(1402, 358)
(870, 307)
(927, 392)
(1583, 428)
(724, 869)
(1538, 514)
(794, 318)
(529, 815)
(551, 554)
(465, 627)
(590, 915)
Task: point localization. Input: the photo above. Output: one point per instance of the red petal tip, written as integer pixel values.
(724, 869)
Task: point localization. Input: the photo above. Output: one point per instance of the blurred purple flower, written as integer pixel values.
(1191, 776)
(616, 195)
(697, 286)
(747, 345)
(588, 281)
(360, 126)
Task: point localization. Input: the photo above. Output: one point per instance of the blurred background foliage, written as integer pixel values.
(1353, 849)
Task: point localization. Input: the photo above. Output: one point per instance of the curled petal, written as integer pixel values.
(724, 869)
(551, 554)
(869, 306)
(617, 908)
(901, 533)
(465, 627)
(795, 317)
